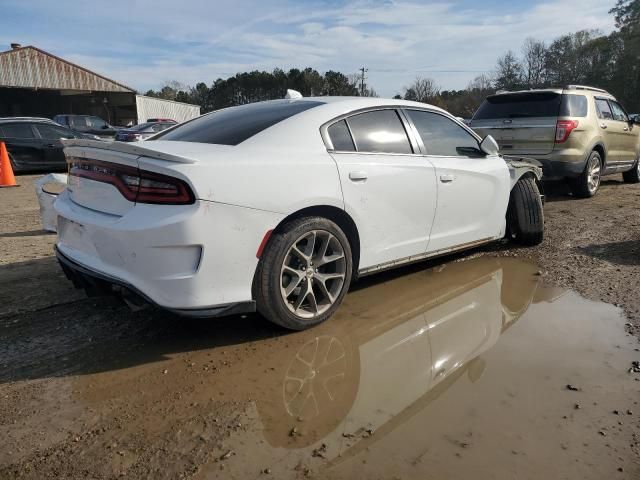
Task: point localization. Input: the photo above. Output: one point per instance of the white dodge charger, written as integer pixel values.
(279, 205)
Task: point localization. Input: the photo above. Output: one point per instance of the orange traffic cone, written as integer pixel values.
(6, 172)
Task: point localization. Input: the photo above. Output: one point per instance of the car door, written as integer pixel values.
(51, 136)
(473, 188)
(629, 132)
(23, 145)
(611, 132)
(388, 189)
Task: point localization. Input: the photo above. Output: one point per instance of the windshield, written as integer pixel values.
(234, 125)
(520, 105)
(143, 126)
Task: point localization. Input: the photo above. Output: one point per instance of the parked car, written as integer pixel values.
(89, 124)
(278, 205)
(577, 133)
(143, 131)
(35, 143)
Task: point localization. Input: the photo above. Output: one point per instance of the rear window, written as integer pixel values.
(234, 125)
(520, 105)
(573, 106)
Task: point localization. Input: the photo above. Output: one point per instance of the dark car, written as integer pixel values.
(89, 124)
(143, 130)
(35, 143)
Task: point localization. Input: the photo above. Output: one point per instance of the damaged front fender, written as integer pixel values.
(520, 166)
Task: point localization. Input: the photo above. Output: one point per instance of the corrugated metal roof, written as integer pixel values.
(30, 67)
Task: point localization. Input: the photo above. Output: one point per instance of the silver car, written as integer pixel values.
(143, 131)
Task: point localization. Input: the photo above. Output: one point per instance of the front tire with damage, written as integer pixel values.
(525, 214)
(304, 273)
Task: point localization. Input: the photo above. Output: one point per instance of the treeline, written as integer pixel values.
(257, 86)
(609, 61)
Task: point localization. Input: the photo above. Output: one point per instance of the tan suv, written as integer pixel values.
(578, 133)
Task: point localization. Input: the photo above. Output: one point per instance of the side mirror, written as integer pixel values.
(635, 119)
(489, 146)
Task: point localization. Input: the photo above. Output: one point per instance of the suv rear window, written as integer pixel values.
(232, 126)
(573, 106)
(520, 105)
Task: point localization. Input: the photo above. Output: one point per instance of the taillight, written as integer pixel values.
(135, 185)
(564, 129)
(133, 136)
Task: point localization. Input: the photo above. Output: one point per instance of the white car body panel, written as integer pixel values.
(392, 225)
(473, 194)
(199, 256)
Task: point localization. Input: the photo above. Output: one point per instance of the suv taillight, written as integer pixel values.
(134, 184)
(564, 129)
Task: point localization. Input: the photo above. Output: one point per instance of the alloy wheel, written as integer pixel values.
(593, 174)
(313, 273)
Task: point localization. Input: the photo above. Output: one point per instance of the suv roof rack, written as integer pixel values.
(585, 87)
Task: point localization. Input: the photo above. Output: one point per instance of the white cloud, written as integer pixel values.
(144, 44)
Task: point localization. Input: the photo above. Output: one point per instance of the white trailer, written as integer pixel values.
(150, 107)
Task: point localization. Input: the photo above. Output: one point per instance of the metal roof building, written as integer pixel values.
(36, 83)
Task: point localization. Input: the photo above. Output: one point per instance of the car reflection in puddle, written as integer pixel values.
(393, 343)
(356, 390)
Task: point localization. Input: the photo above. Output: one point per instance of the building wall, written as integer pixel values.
(149, 107)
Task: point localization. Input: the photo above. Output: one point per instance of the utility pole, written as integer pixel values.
(363, 70)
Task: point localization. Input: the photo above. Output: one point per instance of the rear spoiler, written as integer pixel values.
(129, 148)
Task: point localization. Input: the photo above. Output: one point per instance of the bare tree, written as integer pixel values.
(508, 73)
(533, 63)
(422, 90)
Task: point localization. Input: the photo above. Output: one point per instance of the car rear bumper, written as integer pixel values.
(99, 284)
(554, 168)
(190, 259)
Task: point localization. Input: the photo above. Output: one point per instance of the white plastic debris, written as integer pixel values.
(47, 189)
(293, 94)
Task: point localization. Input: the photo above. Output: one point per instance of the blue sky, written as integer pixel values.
(146, 43)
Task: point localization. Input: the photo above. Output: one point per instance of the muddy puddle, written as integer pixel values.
(472, 369)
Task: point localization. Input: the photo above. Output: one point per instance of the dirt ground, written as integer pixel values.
(500, 363)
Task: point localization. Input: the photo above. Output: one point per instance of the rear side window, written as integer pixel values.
(18, 130)
(341, 137)
(442, 136)
(573, 106)
(380, 131)
(603, 108)
(51, 132)
(232, 126)
(618, 112)
(520, 105)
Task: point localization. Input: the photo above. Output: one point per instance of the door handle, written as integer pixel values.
(358, 176)
(603, 126)
(447, 178)
(50, 145)
(626, 129)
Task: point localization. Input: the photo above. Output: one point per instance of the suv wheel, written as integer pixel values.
(525, 215)
(304, 273)
(633, 175)
(586, 185)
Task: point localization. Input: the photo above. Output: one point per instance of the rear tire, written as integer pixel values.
(587, 184)
(525, 214)
(633, 175)
(304, 273)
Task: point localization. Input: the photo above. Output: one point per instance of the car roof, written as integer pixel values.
(569, 89)
(76, 115)
(27, 119)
